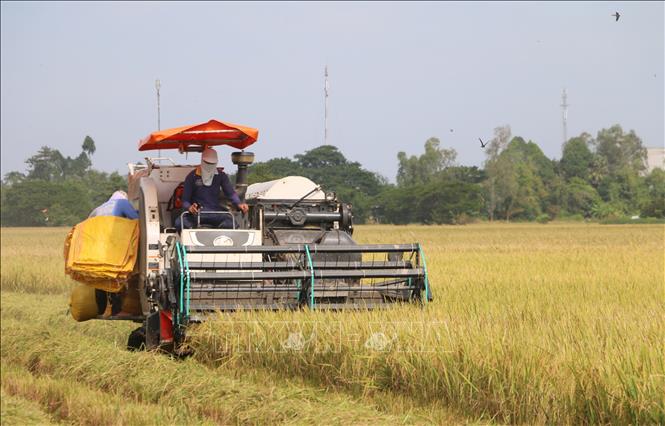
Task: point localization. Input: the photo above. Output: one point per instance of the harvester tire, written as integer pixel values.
(136, 340)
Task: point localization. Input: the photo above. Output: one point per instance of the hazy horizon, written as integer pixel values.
(399, 74)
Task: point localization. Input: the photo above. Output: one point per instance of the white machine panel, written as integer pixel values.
(221, 238)
(288, 188)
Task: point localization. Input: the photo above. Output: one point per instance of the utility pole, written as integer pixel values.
(564, 107)
(325, 113)
(158, 85)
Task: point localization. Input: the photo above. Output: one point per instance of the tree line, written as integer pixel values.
(56, 190)
(601, 177)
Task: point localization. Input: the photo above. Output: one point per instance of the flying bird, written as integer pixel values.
(617, 16)
(482, 145)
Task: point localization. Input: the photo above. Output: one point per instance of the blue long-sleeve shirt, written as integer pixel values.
(120, 208)
(207, 196)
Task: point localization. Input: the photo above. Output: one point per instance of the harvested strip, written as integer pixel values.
(155, 379)
(37, 309)
(67, 400)
(19, 411)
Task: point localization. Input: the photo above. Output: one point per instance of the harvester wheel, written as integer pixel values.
(136, 340)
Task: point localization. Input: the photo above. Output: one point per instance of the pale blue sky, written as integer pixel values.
(399, 73)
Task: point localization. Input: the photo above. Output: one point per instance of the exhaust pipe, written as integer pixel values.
(242, 159)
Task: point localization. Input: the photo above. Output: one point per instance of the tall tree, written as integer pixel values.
(88, 146)
(580, 197)
(577, 158)
(620, 160)
(653, 204)
(320, 157)
(275, 168)
(494, 170)
(598, 170)
(621, 150)
(519, 174)
(13, 178)
(422, 169)
(328, 167)
(79, 165)
(48, 164)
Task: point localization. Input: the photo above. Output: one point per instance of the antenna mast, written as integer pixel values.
(158, 85)
(564, 107)
(325, 113)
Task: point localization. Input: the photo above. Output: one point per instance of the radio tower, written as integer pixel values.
(158, 85)
(325, 113)
(564, 107)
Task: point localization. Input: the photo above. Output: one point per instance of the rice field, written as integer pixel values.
(531, 324)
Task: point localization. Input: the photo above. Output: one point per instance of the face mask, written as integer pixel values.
(208, 172)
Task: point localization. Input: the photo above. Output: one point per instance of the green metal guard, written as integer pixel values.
(184, 255)
(311, 269)
(182, 286)
(422, 256)
(299, 285)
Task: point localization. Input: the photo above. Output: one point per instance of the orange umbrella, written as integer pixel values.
(195, 137)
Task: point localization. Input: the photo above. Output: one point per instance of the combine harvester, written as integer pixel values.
(293, 249)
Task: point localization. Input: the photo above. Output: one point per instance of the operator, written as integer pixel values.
(202, 189)
(118, 205)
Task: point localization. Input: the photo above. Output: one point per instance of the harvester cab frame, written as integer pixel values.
(293, 249)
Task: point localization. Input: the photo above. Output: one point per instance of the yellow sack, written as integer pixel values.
(106, 241)
(102, 251)
(82, 303)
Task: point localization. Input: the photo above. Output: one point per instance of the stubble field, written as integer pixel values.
(556, 323)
